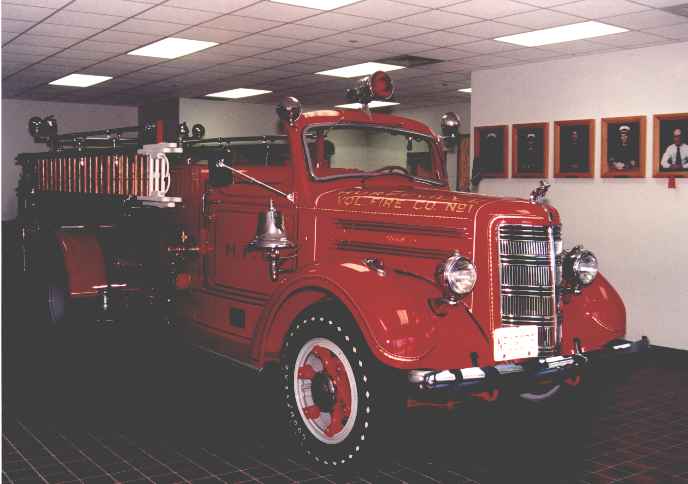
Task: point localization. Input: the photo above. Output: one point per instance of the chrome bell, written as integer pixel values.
(270, 232)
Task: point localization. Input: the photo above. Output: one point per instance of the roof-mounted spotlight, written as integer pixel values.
(43, 129)
(376, 87)
(289, 110)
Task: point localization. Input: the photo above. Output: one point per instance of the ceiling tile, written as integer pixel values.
(276, 11)
(429, 3)
(17, 48)
(7, 36)
(112, 68)
(314, 48)
(627, 39)
(337, 21)
(47, 40)
(660, 3)
(436, 19)
(675, 32)
(446, 53)
(83, 19)
(84, 54)
(69, 31)
(489, 9)
(646, 20)
(111, 47)
(75, 62)
(9, 25)
(24, 12)
(532, 54)
(129, 38)
(300, 32)
(545, 3)
(17, 57)
(177, 15)
(392, 30)
(399, 47)
(211, 35)
(381, 9)
(265, 41)
(540, 19)
(489, 60)
(488, 29)
(121, 8)
(284, 55)
(595, 9)
(575, 47)
(219, 6)
(352, 40)
(442, 38)
(488, 47)
(43, 3)
(237, 50)
(241, 24)
(140, 26)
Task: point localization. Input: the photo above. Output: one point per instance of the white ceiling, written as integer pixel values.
(278, 47)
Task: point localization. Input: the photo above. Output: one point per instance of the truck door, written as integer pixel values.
(237, 282)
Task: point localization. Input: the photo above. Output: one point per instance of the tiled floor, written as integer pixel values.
(124, 409)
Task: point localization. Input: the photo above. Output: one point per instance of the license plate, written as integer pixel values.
(514, 343)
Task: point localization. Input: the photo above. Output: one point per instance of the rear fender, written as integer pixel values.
(595, 316)
(392, 311)
(83, 261)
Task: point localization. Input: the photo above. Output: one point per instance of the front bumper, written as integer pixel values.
(446, 385)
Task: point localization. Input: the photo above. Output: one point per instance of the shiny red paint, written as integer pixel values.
(336, 224)
(83, 260)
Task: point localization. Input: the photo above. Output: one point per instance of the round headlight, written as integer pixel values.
(458, 274)
(581, 266)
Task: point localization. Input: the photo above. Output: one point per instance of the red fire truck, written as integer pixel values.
(335, 252)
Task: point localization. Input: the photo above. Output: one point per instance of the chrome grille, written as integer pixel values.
(528, 276)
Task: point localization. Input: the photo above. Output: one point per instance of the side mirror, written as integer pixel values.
(450, 123)
(219, 176)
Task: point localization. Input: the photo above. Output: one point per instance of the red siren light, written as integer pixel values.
(381, 86)
(378, 86)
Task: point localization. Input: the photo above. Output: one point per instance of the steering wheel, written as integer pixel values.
(392, 168)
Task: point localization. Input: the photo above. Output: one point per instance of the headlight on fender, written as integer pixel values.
(457, 275)
(580, 266)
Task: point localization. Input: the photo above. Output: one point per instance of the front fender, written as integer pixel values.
(391, 310)
(595, 316)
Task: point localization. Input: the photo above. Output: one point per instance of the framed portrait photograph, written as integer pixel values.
(623, 147)
(670, 151)
(574, 148)
(529, 148)
(491, 151)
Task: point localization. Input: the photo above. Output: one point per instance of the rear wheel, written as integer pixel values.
(340, 401)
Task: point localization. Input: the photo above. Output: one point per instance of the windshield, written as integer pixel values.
(337, 151)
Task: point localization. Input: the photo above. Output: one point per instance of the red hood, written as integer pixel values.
(433, 204)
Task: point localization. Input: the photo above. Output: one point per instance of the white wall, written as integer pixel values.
(227, 118)
(637, 227)
(70, 117)
(431, 116)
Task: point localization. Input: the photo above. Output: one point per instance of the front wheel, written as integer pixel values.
(339, 399)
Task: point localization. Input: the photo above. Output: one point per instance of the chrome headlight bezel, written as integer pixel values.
(580, 267)
(457, 275)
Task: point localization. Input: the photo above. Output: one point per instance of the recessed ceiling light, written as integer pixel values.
(238, 93)
(360, 69)
(466, 89)
(79, 80)
(371, 105)
(318, 4)
(172, 47)
(565, 33)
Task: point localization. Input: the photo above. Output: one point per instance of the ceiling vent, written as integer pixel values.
(681, 10)
(409, 60)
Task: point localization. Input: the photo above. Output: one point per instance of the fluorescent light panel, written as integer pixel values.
(79, 80)
(238, 93)
(358, 70)
(371, 105)
(172, 47)
(466, 90)
(565, 33)
(318, 4)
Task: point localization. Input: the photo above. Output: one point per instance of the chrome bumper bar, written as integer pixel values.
(442, 385)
